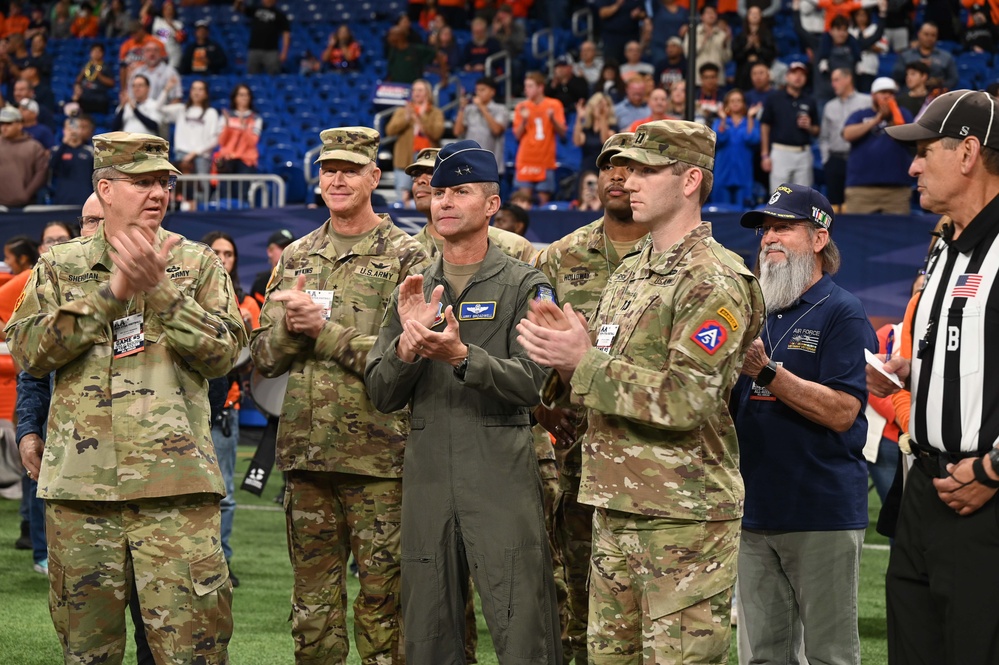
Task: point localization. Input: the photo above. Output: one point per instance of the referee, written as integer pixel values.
(943, 572)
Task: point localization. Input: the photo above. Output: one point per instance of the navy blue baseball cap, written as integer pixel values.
(791, 201)
(462, 162)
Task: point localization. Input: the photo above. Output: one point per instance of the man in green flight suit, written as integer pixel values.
(472, 498)
(660, 455)
(134, 321)
(324, 305)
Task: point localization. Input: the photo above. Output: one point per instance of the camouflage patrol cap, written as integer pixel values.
(358, 145)
(132, 153)
(425, 159)
(665, 142)
(614, 145)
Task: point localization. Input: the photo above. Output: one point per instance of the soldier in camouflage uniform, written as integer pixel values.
(579, 266)
(133, 320)
(660, 455)
(324, 304)
(521, 249)
(472, 496)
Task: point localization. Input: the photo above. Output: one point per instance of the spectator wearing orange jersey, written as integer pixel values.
(130, 54)
(85, 24)
(836, 8)
(536, 122)
(16, 23)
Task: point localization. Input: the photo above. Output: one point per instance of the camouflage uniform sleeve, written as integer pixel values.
(516, 380)
(390, 381)
(206, 331)
(349, 346)
(44, 333)
(272, 347)
(693, 383)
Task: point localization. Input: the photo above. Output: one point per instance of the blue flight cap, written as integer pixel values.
(462, 162)
(791, 201)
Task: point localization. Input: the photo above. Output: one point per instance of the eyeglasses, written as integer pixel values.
(780, 228)
(88, 221)
(146, 184)
(51, 242)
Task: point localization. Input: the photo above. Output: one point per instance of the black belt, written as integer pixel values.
(933, 462)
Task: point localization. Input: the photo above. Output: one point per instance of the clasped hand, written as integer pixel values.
(140, 266)
(417, 317)
(554, 337)
(301, 313)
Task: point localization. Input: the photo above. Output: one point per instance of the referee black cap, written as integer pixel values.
(957, 114)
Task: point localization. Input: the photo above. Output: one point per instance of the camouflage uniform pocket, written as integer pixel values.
(211, 606)
(58, 606)
(422, 593)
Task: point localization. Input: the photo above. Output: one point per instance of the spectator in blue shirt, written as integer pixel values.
(941, 63)
(877, 170)
(738, 133)
(634, 106)
(72, 163)
(669, 20)
(480, 47)
(620, 23)
(33, 128)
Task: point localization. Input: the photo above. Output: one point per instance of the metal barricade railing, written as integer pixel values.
(308, 162)
(548, 53)
(228, 191)
(578, 28)
(506, 78)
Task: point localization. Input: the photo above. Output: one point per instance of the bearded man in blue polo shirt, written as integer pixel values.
(798, 410)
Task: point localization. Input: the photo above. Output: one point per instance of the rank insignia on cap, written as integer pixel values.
(545, 293)
(710, 336)
(440, 315)
(471, 311)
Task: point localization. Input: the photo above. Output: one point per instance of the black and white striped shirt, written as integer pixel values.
(955, 333)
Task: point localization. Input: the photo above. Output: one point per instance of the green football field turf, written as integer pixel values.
(261, 604)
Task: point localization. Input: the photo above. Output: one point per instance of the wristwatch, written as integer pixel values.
(461, 367)
(981, 475)
(766, 374)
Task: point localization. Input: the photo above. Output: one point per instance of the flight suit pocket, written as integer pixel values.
(422, 596)
(522, 605)
(211, 605)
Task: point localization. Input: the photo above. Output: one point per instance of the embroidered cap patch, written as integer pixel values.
(710, 336)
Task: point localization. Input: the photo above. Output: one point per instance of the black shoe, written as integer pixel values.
(233, 579)
(24, 542)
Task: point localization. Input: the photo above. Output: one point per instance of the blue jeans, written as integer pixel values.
(36, 521)
(225, 450)
(882, 471)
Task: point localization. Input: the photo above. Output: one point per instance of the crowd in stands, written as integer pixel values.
(125, 64)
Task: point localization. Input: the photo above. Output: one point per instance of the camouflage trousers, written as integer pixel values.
(660, 590)
(573, 522)
(172, 548)
(328, 516)
(550, 486)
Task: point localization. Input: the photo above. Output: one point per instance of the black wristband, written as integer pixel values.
(982, 476)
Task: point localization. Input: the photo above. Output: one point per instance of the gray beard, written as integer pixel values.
(783, 283)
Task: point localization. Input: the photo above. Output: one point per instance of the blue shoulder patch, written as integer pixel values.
(545, 292)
